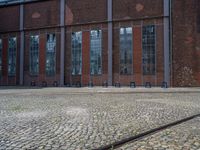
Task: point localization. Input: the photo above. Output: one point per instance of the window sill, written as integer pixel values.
(11, 76)
(31, 75)
(95, 75)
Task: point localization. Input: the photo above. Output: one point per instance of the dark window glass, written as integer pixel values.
(95, 52)
(12, 48)
(149, 50)
(1, 47)
(76, 53)
(126, 50)
(51, 55)
(34, 55)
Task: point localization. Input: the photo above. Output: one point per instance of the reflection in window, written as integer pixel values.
(12, 48)
(34, 55)
(126, 50)
(95, 52)
(76, 53)
(51, 55)
(149, 50)
(1, 47)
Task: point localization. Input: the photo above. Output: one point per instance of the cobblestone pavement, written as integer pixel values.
(73, 119)
(185, 136)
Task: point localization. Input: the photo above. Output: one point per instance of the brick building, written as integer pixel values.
(70, 42)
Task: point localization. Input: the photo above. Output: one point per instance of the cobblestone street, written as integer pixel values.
(73, 119)
(181, 137)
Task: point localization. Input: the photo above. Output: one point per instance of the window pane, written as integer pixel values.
(34, 55)
(51, 55)
(126, 50)
(149, 50)
(12, 48)
(76, 53)
(95, 52)
(1, 47)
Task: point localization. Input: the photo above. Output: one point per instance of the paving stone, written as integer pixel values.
(55, 118)
(180, 137)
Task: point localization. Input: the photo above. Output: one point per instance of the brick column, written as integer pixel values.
(86, 58)
(42, 57)
(137, 55)
(5, 61)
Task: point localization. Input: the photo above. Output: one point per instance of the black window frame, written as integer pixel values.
(76, 53)
(96, 67)
(34, 55)
(149, 49)
(50, 55)
(126, 51)
(12, 56)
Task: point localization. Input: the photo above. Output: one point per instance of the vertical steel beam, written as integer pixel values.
(21, 65)
(62, 46)
(110, 41)
(166, 41)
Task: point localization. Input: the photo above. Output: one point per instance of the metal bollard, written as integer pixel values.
(132, 85)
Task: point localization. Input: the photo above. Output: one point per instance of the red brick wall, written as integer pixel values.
(159, 53)
(42, 14)
(84, 11)
(137, 54)
(46, 14)
(86, 57)
(186, 71)
(9, 19)
(5, 79)
(42, 58)
(132, 9)
(68, 78)
(137, 75)
(4, 61)
(86, 77)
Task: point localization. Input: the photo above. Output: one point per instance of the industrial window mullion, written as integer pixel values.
(126, 51)
(34, 55)
(76, 45)
(148, 44)
(51, 55)
(12, 56)
(96, 52)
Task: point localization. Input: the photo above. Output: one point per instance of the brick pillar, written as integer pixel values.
(42, 57)
(86, 57)
(5, 61)
(137, 55)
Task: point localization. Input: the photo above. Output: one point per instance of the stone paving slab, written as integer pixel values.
(55, 118)
(185, 136)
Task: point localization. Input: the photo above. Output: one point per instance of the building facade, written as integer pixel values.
(70, 42)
